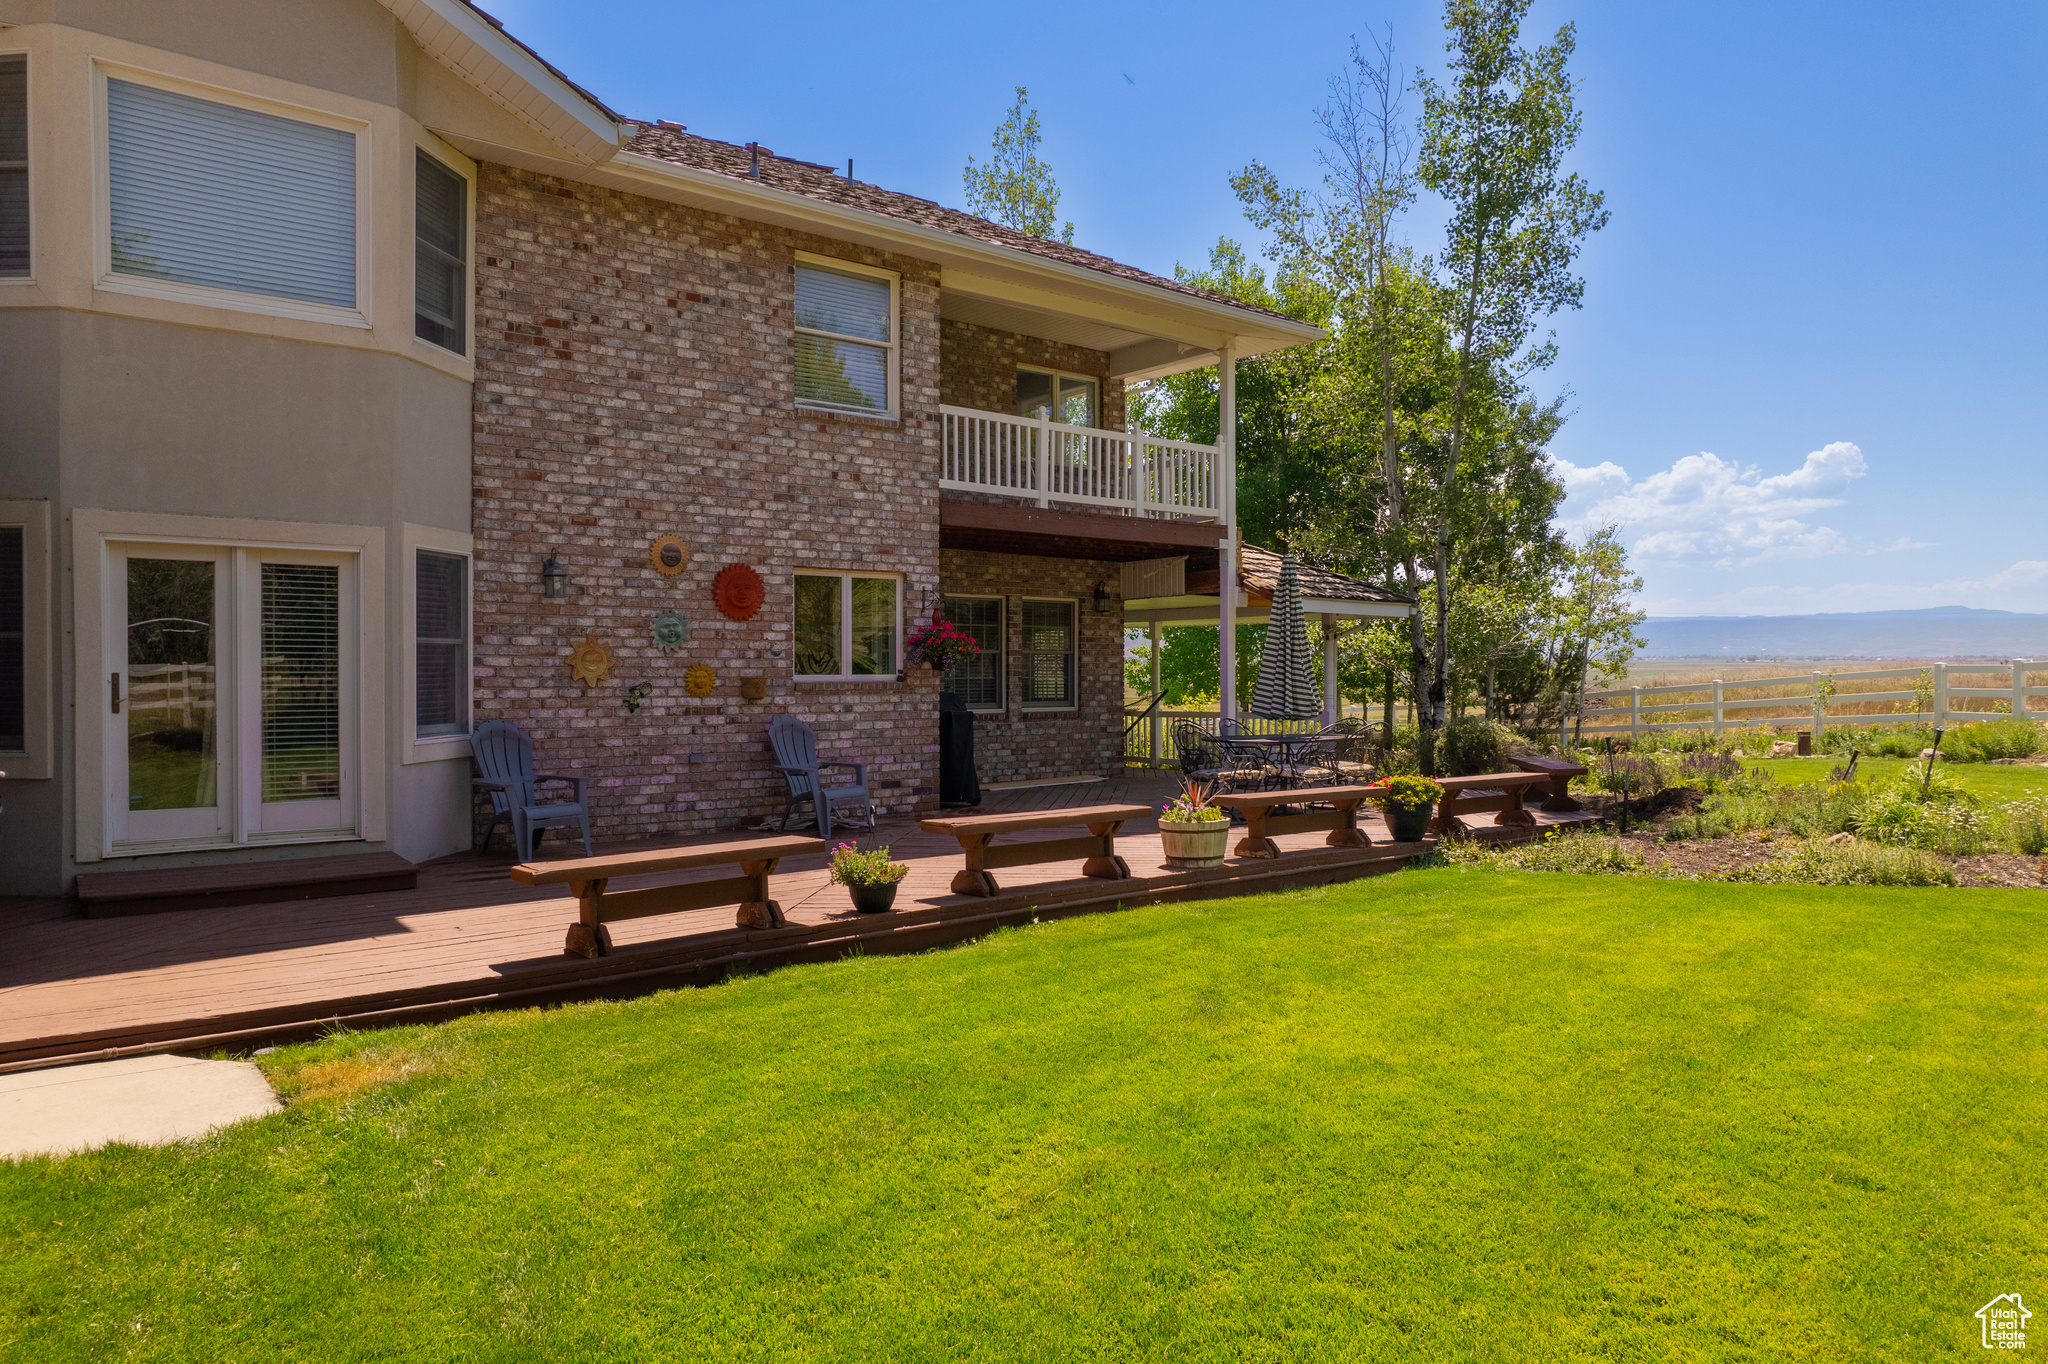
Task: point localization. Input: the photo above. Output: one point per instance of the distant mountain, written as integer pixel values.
(1937, 632)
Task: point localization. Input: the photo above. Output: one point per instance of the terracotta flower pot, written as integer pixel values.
(1200, 843)
(875, 897)
(1409, 826)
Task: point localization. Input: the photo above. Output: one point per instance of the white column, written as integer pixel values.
(1044, 457)
(1226, 576)
(1330, 701)
(1158, 718)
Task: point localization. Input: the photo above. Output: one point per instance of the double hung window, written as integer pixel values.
(440, 256)
(847, 626)
(223, 197)
(13, 167)
(440, 645)
(978, 681)
(845, 336)
(1050, 655)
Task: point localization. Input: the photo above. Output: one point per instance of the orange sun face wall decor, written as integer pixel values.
(591, 661)
(738, 591)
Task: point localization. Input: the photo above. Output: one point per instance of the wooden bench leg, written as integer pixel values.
(1108, 866)
(588, 937)
(1347, 834)
(1255, 843)
(1447, 822)
(1560, 801)
(974, 878)
(757, 910)
(1515, 817)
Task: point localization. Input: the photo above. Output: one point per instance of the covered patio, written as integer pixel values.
(468, 937)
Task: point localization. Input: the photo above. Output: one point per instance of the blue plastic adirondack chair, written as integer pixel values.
(796, 758)
(504, 755)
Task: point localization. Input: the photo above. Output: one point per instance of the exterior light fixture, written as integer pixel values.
(554, 579)
(1101, 599)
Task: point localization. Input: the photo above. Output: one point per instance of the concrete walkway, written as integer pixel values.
(143, 1100)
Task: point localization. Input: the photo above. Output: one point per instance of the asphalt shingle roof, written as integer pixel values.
(1259, 570)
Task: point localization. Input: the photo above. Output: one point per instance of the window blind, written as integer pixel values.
(1048, 653)
(13, 166)
(301, 682)
(835, 369)
(441, 645)
(440, 279)
(13, 677)
(978, 681)
(205, 193)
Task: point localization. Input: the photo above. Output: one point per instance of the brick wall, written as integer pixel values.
(978, 369)
(1021, 745)
(634, 380)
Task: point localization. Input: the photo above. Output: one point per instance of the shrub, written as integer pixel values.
(855, 866)
(1818, 862)
(1556, 851)
(2007, 738)
(1642, 776)
(1706, 769)
(2027, 828)
(1468, 746)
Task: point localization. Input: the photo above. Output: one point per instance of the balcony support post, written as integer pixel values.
(1226, 575)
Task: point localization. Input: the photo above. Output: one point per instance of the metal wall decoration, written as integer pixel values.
(699, 679)
(591, 661)
(739, 592)
(635, 695)
(671, 629)
(669, 555)
(753, 689)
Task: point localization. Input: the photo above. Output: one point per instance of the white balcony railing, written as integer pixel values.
(1046, 462)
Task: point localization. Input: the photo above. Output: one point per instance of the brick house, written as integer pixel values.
(272, 531)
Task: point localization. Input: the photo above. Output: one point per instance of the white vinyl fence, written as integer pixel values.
(1815, 700)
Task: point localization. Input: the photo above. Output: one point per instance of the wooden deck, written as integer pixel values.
(469, 937)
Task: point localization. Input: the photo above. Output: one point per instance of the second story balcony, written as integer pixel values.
(1049, 463)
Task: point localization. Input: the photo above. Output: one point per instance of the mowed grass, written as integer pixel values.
(1449, 1115)
(1989, 780)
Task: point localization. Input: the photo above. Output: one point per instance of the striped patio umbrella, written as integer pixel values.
(1287, 678)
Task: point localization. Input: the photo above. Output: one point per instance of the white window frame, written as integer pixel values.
(462, 167)
(845, 673)
(28, 95)
(434, 748)
(1059, 374)
(1074, 652)
(92, 593)
(1002, 649)
(893, 345)
(35, 760)
(204, 295)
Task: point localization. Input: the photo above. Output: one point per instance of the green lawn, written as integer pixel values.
(1991, 780)
(1447, 1115)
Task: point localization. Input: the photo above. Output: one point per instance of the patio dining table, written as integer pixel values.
(1283, 751)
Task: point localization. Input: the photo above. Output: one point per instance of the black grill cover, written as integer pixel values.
(958, 784)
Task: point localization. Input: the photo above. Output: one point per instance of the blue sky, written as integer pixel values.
(1807, 376)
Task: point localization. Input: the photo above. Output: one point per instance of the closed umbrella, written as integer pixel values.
(1287, 678)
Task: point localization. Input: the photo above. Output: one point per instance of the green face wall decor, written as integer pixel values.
(671, 629)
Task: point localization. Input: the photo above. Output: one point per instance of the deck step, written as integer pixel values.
(107, 894)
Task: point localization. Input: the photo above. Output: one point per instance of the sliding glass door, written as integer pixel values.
(232, 702)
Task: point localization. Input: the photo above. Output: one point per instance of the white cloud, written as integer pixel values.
(2016, 587)
(1704, 506)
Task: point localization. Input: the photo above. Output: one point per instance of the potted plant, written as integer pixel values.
(939, 644)
(1193, 832)
(868, 875)
(1408, 803)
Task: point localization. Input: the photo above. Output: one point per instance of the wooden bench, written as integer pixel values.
(1261, 824)
(1560, 773)
(1497, 791)
(1099, 846)
(587, 878)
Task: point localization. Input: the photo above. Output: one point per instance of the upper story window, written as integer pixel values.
(441, 266)
(845, 336)
(13, 167)
(223, 197)
(1066, 398)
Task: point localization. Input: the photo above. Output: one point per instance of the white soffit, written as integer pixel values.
(1064, 328)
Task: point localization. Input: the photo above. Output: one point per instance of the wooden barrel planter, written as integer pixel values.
(1201, 843)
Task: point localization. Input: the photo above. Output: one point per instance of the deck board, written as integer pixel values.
(468, 930)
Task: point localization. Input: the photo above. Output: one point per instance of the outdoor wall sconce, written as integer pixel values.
(554, 579)
(1101, 599)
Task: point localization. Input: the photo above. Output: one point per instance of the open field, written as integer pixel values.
(1452, 1114)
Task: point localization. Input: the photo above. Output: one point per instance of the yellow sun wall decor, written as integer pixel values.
(699, 679)
(591, 661)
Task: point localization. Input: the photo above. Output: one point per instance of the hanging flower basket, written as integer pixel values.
(939, 644)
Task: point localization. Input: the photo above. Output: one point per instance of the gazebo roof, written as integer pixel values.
(1258, 572)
